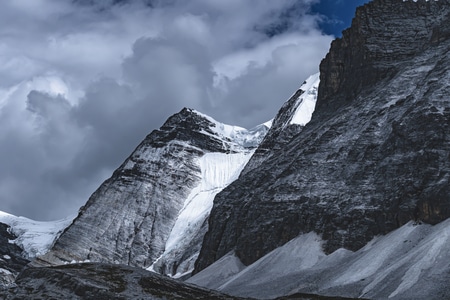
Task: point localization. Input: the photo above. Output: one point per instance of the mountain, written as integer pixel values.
(375, 154)
(152, 212)
(353, 203)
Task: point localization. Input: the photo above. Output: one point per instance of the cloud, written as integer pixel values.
(83, 82)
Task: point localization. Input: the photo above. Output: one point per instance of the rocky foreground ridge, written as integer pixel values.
(375, 155)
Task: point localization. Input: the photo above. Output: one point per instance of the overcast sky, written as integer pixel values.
(83, 82)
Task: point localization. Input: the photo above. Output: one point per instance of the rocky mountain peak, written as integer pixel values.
(194, 127)
(384, 33)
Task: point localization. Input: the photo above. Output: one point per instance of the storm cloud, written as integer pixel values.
(83, 82)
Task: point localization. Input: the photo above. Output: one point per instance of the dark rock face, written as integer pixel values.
(102, 281)
(11, 259)
(376, 153)
(384, 33)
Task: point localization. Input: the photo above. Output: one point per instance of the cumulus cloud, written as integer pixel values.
(83, 82)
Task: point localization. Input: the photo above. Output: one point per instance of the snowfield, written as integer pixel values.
(34, 237)
(218, 170)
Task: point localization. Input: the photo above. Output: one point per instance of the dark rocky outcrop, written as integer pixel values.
(99, 281)
(376, 153)
(11, 258)
(102, 281)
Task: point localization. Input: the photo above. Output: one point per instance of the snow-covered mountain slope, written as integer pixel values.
(34, 237)
(152, 212)
(22, 239)
(411, 262)
(295, 113)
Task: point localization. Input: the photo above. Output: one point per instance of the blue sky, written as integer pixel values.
(82, 82)
(339, 14)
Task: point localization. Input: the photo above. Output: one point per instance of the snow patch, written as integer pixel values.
(218, 170)
(268, 124)
(34, 237)
(238, 137)
(306, 103)
(77, 262)
(5, 272)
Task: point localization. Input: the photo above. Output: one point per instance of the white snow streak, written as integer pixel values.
(306, 103)
(218, 170)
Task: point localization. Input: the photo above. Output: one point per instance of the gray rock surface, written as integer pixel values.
(375, 155)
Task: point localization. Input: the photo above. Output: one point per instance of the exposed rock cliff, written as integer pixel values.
(375, 155)
(155, 205)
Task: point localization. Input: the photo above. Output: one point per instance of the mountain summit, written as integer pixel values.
(151, 213)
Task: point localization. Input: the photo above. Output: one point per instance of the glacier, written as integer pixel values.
(217, 171)
(34, 237)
